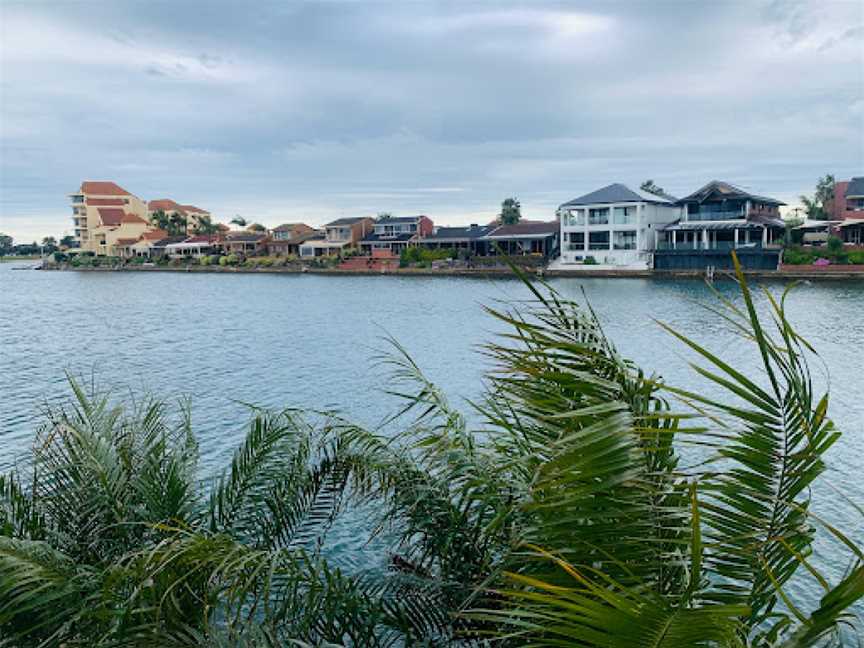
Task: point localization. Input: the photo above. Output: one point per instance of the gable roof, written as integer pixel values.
(617, 192)
(288, 227)
(726, 190)
(245, 236)
(459, 233)
(387, 220)
(855, 188)
(529, 229)
(132, 218)
(193, 208)
(347, 221)
(154, 235)
(165, 204)
(103, 188)
(104, 201)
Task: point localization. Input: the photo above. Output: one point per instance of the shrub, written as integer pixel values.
(589, 260)
(856, 257)
(204, 261)
(138, 260)
(59, 257)
(798, 256)
(75, 262)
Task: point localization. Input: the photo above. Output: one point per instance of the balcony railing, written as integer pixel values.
(715, 245)
(716, 215)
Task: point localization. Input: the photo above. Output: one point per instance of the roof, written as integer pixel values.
(727, 191)
(104, 201)
(347, 221)
(154, 235)
(287, 227)
(720, 225)
(126, 241)
(165, 204)
(459, 233)
(103, 188)
(244, 236)
(386, 220)
(111, 215)
(132, 218)
(525, 230)
(323, 243)
(855, 188)
(168, 240)
(193, 208)
(617, 193)
(200, 238)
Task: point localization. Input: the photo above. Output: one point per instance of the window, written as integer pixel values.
(624, 216)
(625, 240)
(576, 241)
(575, 217)
(598, 240)
(598, 216)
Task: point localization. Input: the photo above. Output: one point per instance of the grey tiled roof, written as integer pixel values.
(397, 219)
(454, 233)
(726, 189)
(346, 221)
(616, 193)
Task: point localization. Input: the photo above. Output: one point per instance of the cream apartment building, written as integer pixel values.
(104, 213)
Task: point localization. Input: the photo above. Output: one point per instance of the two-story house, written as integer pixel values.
(614, 225)
(716, 219)
(391, 234)
(339, 236)
(286, 238)
(848, 208)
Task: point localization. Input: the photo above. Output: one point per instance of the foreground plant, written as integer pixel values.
(568, 517)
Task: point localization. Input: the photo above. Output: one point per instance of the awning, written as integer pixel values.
(852, 222)
(712, 225)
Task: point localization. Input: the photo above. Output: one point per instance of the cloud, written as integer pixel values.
(311, 111)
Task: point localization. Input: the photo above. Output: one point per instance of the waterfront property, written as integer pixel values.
(189, 214)
(104, 214)
(469, 240)
(243, 243)
(339, 236)
(192, 247)
(614, 225)
(538, 238)
(392, 234)
(848, 201)
(717, 219)
(285, 239)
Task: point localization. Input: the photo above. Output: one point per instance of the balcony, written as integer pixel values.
(715, 245)
(716, 215)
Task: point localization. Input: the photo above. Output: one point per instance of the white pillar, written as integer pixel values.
(736, 238)
(764, 236)
(674, 240)
(704, 239)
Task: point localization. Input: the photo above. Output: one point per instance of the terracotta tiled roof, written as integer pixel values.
(104, 201)
(126, 241)
(165, 204)
(193, 208)
(132, 218)
(111, 215)
(154, 235)
(101, 188)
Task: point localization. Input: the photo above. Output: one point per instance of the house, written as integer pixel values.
(191, 214)
(285, 239)
(615, 225)
(141, 246)
(391, 234)
(468, 239)
(339, 235)
(191, 247)
(104, 213)
(158, 249)
(243, 243)
(522, 238)
(716, 219)
(848, 200)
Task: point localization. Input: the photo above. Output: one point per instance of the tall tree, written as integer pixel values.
(49, 241)
(511, 211)
(68, 241)
(6, 244)
(819, 206)
(239, 221)
(206, 226)
(651, 188)
(161, 220)
(178, 224)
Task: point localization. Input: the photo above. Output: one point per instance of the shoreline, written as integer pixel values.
(720, 275)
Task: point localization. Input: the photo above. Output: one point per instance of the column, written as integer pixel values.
(704, 239)
(736, 238)
(674, 240)
(764, 237)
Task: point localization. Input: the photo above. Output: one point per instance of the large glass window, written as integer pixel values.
(598, 216)
(576, 241)
(598, 240)
(625, 240)
(624, 216)
(574, 217)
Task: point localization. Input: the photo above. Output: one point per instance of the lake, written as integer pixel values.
(310, 340)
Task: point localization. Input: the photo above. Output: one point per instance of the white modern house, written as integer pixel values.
(614, 225)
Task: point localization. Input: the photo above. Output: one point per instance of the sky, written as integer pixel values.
(287, 111)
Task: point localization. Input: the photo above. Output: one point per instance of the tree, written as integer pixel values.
(68, 241)
(383, 215)
(819, 206)
(49, 242)
(511, 212)
(239, 221)
(206, 226)
(651, 188)
(177, 224)
(161, 220)
(256, 227)
(6, 244)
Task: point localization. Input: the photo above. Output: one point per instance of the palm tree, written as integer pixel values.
(161, 220)
(206, 226)
(568, 518)
(256, 227)
(239, 221)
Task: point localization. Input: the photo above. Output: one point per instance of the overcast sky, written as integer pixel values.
(285, 111)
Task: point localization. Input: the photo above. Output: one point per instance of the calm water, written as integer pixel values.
(278, 340)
